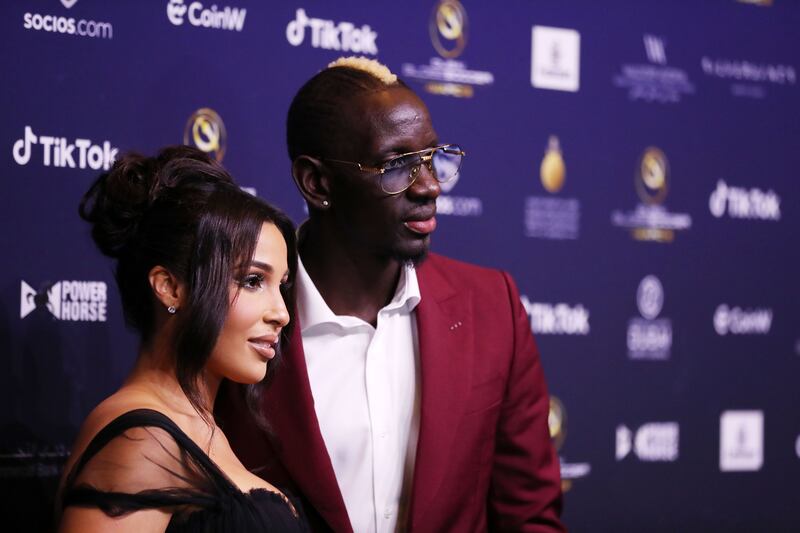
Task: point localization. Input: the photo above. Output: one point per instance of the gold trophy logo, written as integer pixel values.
(448, 28)
(206, 131)
(552, 170)
(651, 179)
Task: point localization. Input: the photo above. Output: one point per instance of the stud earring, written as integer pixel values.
(172, 309)
(326, 203)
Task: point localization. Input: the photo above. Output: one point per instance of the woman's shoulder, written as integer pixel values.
(119, 404)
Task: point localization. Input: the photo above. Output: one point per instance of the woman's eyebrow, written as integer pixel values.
(263, 266)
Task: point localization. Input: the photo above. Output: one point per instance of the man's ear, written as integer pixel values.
(313, 181)
(166, 287)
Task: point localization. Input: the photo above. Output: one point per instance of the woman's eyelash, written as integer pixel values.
(252, 281)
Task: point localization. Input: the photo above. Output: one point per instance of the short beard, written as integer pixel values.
(415, 260)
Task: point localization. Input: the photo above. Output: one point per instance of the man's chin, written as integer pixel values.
(414, 259)
(415, 254)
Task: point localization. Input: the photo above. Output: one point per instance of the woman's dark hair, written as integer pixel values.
(183, 211)
(316, 113)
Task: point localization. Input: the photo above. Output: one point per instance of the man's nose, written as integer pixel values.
(425, 185)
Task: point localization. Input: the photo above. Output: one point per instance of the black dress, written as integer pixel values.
(142, 460)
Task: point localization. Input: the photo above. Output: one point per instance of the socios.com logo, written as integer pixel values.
(206, 131)
(60, 152)
(651, 180)
(67, 25)
(74, 301)
(448, 28)
(226, 18)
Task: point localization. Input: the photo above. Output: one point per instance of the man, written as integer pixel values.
(411, 395)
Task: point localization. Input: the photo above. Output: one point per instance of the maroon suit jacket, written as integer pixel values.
(484, 458)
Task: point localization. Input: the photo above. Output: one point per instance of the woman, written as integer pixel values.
(204, 272)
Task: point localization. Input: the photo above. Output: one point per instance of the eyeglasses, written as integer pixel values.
(399, 173)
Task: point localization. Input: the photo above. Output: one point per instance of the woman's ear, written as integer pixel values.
(313, 181)
(167, 288)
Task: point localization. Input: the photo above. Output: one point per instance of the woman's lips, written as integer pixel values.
(264, 348)
(421, 227)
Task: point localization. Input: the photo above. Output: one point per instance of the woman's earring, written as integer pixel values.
(326, 203)
(172, 309)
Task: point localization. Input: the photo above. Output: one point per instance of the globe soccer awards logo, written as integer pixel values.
(557, 424)
(206, 131)
(651, 221)
(448, 28)
(444, 75)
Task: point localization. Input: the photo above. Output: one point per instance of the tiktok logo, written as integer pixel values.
(330, 35)
(57, 152)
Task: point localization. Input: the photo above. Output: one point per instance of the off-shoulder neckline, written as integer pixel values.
(109, 431)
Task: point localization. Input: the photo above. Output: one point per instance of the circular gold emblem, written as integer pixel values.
(448, 28)
(206, 131)
(552, 170)
(557, 422)
(651, 179)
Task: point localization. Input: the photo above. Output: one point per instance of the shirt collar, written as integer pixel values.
(313, 310)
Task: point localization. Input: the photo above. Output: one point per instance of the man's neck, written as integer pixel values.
(351, 280)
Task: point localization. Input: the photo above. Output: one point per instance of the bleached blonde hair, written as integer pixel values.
(370, 66)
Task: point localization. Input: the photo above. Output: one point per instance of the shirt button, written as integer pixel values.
(387, 514)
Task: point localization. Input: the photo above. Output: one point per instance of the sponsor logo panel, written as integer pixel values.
(550, 217)
(448, 28)
(67, 25)
(555, 58)
(742, 203)
(68, 300)
(649, 337)
(651, 442)
(331, 35)
(206, 131)
(748, 79)
(651, 221)
(654, 81)
(557, 319)
(213, 17)
(557, 423)
(737, 321)
(741, 441)
(63, 152)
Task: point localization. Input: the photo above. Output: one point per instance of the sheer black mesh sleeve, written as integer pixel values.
(142, 460)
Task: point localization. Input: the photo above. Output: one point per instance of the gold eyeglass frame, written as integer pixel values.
(426, 160)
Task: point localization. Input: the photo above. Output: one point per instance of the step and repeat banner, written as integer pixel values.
(634, 165)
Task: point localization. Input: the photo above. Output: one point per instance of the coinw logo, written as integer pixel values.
(57, 152)
(75, 301)
(227, 18)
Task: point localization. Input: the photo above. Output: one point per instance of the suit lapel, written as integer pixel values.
(291, 413)
(445, 342)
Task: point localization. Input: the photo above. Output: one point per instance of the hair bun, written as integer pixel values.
(117, 201)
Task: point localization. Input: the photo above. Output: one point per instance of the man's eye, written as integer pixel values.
(252, 282)
(401, 162)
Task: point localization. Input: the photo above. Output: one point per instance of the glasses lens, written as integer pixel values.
(399, 173)
(446, 162)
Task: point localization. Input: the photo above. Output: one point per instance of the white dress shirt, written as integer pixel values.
(364, 381)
